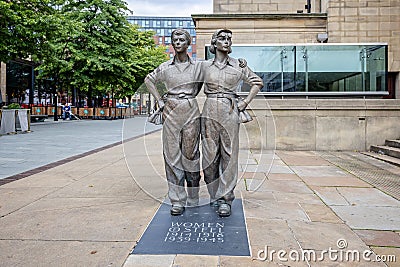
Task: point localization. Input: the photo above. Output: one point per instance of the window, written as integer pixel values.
(317, 69)
(193, 40)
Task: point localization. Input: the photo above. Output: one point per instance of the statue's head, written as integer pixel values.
(183, 32)
(220, 33)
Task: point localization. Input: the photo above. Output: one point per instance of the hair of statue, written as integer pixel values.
(214, 39)
(181, 31)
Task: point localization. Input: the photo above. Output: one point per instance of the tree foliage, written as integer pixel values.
(24, 27)
(88, 45)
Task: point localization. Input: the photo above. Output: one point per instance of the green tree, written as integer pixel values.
(98, 50)
(24, 27)
(88, 45)
(144, 58)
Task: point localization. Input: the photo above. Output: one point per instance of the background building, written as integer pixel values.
(163, 27)
(341, 120)
(288, 22)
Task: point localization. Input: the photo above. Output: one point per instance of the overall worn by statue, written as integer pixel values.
(220, 119)
(181, 122)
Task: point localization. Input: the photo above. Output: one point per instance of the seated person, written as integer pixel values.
(66, 112)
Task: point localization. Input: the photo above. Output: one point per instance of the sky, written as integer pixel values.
(170, 8)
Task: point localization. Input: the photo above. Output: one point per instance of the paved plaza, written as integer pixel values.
(92, 205)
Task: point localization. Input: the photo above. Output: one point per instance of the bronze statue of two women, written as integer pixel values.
(217, 126)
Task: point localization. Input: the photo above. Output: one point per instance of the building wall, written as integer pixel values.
(348, 21)
(261, 29)
(264, 6)
(313, 124)
(321, 124)
(366, 21)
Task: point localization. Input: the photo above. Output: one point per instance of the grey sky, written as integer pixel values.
(170, 8)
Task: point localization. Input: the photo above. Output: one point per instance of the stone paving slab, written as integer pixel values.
(11, 200)
(63, 253)
(297, 198)
(195, 261)
(322, 236)
(305, 160)
(376, 218)
(149, 260)
(283, 177)
(330, 196)
(50, 142)
(318, 171)
(253, 175)
(367, 197)
(286, 187)
(274, 210)
(387, 254)
(91, 211)
(265, 168)
(320, 213)
(344, 181)
(379, 238)
(270, 232)
(58, 219)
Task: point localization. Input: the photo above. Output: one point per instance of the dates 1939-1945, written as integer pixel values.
(195, 232)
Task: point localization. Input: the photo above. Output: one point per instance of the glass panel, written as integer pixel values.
(316, 68)
(375, 68)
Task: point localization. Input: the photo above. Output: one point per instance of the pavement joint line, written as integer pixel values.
(142, 233)
(340, 194)
(297, 241)
(246, 227)
(305, 212)
(49, 166)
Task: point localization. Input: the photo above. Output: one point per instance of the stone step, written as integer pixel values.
(385, 158)
(386, 150)
(393, 143)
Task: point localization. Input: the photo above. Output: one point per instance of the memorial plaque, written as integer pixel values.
(198, 231)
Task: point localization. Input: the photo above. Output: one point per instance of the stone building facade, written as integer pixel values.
(302, 123)
(287, 21)
(267, 6)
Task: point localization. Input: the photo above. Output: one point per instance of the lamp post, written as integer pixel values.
(55, 100)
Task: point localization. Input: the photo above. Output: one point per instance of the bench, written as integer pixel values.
(38, 118)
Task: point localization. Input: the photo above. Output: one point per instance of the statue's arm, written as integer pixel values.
(256, 84)
(151, 86)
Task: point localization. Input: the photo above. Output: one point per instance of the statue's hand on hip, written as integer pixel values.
(242, 63)
(242, 105)
(161, 103)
